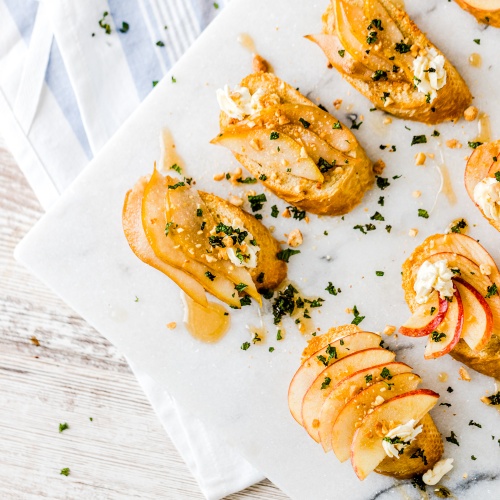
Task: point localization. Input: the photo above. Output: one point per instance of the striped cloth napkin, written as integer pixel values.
(71, 72)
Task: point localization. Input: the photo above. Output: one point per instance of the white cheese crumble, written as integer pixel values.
(429, 73)
(433, 276)
(244, 254)
(487, 196)
(239, 103)
(397, 439)
(434, 475)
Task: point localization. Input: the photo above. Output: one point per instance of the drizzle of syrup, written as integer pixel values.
(475, 60)
(168, 153)
(484, 128)
(246, 41)
(207, 324)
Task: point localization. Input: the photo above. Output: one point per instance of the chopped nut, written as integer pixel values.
(228, 241)
(389, 330)
(283, 120)
(210, 259)
(348, 310)
(420, 158)
(470, 114)
(485, 269)
(378, 401)
(286, 214)
(236, 201)
(416, 194)
(378, 167)
(413, 232)
(337, 103)
(295, 238)
(259, 64)
(387, 120)
(255, 143)
(453, 144)
(35, 341)
(219, 177)
(171, 325)
(388, 102)
(464, 374)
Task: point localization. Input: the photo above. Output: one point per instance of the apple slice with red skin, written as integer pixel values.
(318, 391)
(481, 165)
(367, 450)
(448, 333)
(355, 410)
(313, 366)
(478, 319)
(426, 317)
(345, 390)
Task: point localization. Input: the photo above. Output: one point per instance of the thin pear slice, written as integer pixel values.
(134, 232)
(345, 390)
(366, 450)
(314, 365)
(330, 377)
(154, 223)
(183, 206)
(361, 405)
(281, 153)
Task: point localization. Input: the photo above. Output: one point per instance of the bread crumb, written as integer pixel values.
(420, 158)
(255, 143)
(453, 144)
(171, 325)
(337, 103)
(387, 120)
(485, 269)
(348, 310)
(378, 167)
(236, 201)
(416, 194)
(295, 238)
(35, 341)
(464, 374)
(470, 114)
(389, 330)
(259, 64)
(413, 232)
(219, 177)
(286, 214)
(431, 155)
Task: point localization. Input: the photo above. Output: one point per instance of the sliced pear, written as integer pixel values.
(345, 390)
(314, 365)
(182, 209)
(366, 450)
(330, 377)
(134, 232)
(361, 405)
(154, 223)
(281, 153)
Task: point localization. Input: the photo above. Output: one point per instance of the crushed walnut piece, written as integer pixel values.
(470, 114)
(236, 201)
(387, 120)
(389, 330)
(259, 64)
(171, 325)
(413, 232)
(337, 103)
(286, 214)
(378, 167)
(453, 144)
(464, 374)
(219, 177)
(485, 269)
(416, 194)
(295, 238)
(420, 159)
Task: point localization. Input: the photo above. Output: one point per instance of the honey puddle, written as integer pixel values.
(484, 128)
(246, 41)
(168, 153)
(207, 324)
(475, 60)
(446, 186)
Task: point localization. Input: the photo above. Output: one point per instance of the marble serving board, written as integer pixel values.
(80, 251)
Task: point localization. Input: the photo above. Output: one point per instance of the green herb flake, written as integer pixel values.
(209, 275)
(453, 439)
(174, 80)
(423, 213)
(326, 383)
(402, 48)
(278, 335)
(473, 457)
(377, 216)
(125, 27)
(437, 336)
(285, 255)
(475, 424)
(305, 123)
(474, 145)
(386, 374)
(155, 83)
(271, 349)
(245, 346)
(160, 43)
(263, 177)
(388, 228)
(178, 185)
(381, 201)
(494, 399)
(368, 378)
(65, 472)
(419, 139)
(419, 453)
(357, 318)
(240, 287)
(435, 133)
(477, 40)
(63, 427)
(176, 168)
(379, 273)
(105, 26)
(457, 228)
(341, 53)
(497, 176)
(379, 75)
(433, 310)
(274, 211)
(382, 183)
(274, 135)
(257, 202)
(332, 290)
(492, 290)
(167, 227)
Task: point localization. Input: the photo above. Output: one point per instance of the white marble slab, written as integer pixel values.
(79, 249)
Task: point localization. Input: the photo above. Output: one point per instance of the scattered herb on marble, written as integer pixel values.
(474, 145)
(274, 211)
(377, 216)
(105, 25)
(285, 255)
(257, 202)
(388, 228)
(357, 317)
(332, 290)
(457, 228)
(65, 472)
(125, 27)
(475, 424)
(419, 139)
(423, 213)
(477, 40)
(296, 213)
(155, 83)
(63, 427)
(383, 182)
(160, 43)
(379, 273)
(271, 349)
(245, 346)
(381, 201)
(453, 439)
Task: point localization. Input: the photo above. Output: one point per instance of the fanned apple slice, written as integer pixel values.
(366, 450)
(183, 206)
(320, 341)
(134, 232)
(478, 319)
(330, 377)
(314, 365)
(471, 272)
(281, 153)
(361, 405)
(154, 223)
(345, 390)
(448, 333)
(426, 317)
(481, 164)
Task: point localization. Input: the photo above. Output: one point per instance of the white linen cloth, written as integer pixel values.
(65, 87)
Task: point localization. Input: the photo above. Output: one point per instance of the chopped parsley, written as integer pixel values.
(435, 133)
(473, 457)
(305, 123)
(260, 278)
(326, 383)
(296, 213)
(388, 228)
(209, 275)
(245, 346)
(278, 335)
(423, 213)
(65, 471)
(155, 83)
(160, 43)
(105, 26)
(178, 185)
(419, 139)
(492, 290)
(256, 338)
(402, 48)
(379, 273)
(453, 439)
(377, 216)
(332, 290)
(445, 404)
(457, 228)
(216, 241)
(417, 482)
(477, 40)
(376, 23)
(382, 182)
(474, 145)
(337, 126)
(263, 177)
(372, 37)
(497, 176)
(246, 180)
(324, 166)
(274, 211)
(379, 75)
(167, 227)
(240, 287)
(271, 349)
(437, 336)
(449, 389)
(274, 135)
(283, 304)
(125, 27)
(386, 374)
(368, 378)
(433, 310)
(257, 202)
(355, 125)
(322, 359)
(381, 201)
(341, 53)
(285, 255)
(63, 427)
(332, 352)
(357, 318)
(475, 424)
(419, 453)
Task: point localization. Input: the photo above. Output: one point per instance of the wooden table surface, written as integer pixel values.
(73, 375)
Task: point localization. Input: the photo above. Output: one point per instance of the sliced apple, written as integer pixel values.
(426, 317)
(330, 377)
(448, 333)
(314, 365)
(182, 209)
(345, 390)
(361, 405)
(481, 164)
(154, 223)
(282, 153)
(320, 341)
(478, 319)
(134, 232)
(366, 449)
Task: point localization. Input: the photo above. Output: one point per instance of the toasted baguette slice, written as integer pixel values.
(483, 162)
(485, 11)
(487, 360)
(387, 78)
(338, 188)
